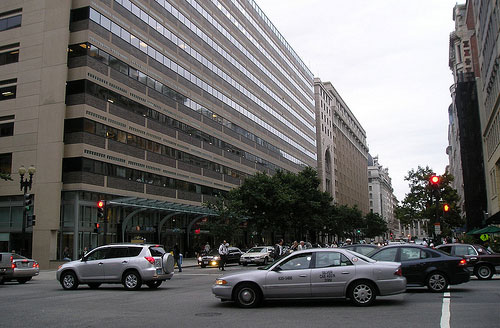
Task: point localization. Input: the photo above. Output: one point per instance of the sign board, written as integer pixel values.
(437, 228)
(484, 237)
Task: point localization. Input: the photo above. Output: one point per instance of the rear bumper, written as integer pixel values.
(392, 286)
(152, 274)
(460, 277)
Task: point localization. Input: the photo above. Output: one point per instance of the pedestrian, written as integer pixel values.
(301, 245)
(348, 241)
(295, 246)
(207, 248)
(177, 256)
(278, 249)
(223, 254)
(85, 251)
(424, 243)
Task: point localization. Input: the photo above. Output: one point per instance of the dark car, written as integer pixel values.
(423, 266)
(483, 263)
(363, 249)
(213, 257)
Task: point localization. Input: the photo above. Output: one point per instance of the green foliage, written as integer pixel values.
(226, 224)
(375, 225)
(5, 176)
(425, 202)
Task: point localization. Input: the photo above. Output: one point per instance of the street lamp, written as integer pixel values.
(27, 200)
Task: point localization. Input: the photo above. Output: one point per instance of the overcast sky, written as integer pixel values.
(388, 59)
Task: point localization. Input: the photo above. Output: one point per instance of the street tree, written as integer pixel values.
(375, 225)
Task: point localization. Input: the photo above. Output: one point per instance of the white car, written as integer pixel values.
(257, 255)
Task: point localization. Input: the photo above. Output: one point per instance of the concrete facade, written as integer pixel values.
(153, 106)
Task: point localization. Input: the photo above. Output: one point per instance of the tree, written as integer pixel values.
(375, 225)
(425, 201)
(227, 223)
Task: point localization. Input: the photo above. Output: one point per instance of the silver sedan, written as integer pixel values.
(24, 269)
(314, 273)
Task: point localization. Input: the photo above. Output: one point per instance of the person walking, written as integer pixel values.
(177, 256)
(223, 254)
(278, 250)
(301, 246)
(207, 248)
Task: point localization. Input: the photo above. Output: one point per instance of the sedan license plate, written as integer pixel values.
(205, 262)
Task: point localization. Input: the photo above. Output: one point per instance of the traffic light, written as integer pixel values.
(434, 180)
(101, 209)
(28, 202)
(96, 228)
(446, 208)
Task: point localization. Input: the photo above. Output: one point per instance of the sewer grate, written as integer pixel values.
(208, 314)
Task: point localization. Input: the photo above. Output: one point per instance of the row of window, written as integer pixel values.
(207, 39)
(91, 50)
(9, 57)
(10, 22)
(6, 163)
(89, 126)
(156, 55)
(85, 86)
(80, 164)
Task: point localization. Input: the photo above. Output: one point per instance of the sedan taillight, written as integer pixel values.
(398, 272)
(150, 259)
(36, 265)
(13, 265)
(463, 262)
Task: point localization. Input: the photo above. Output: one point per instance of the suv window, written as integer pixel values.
(98, 254)
(156, 251)
(386, 255)
(134, 251)
(301, 261)
(117, 252)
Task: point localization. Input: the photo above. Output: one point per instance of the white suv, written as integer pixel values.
(128, 264)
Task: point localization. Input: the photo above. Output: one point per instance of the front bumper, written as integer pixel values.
(252, 260)
(222, 291)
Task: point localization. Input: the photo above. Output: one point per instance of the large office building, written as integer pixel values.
(342, 149)
(155, 106)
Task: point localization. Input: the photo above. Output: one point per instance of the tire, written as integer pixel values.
(154, 284)
(94, 285)
(132, 280)
(362, 293)
(69, 280)
(483, 272)
(437, 282)
(168, 263)
(247, 296)
(22, 280)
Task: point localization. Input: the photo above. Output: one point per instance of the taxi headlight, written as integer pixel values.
(220, 282)
(199, 258)
(216, 258)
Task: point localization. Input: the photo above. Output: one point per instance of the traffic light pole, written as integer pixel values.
(25, 185)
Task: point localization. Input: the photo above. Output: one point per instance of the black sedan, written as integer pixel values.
(363, 249)
(423, 266)
(213, 257)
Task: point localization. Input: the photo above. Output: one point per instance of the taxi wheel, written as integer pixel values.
(132, 280)
(247, 296)
(437, 282)
(484, 272)
(154, 284)
(362, 293)
(69, 280)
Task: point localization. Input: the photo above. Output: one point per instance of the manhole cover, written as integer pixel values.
(208, 314)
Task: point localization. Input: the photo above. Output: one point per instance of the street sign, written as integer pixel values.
(437, 228)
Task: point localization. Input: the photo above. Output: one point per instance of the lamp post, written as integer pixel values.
(25, 184)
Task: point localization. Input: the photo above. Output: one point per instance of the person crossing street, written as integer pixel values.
(223, 254)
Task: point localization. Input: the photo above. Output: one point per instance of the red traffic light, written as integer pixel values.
(97, 225)
(100, 204)
(434, 180)
(446, 207)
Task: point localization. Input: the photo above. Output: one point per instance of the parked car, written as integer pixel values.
(257, 255)
(313, 273)
(364, 249)
(128, 264)
(5, 265)
(483, 263)
(423, 266)
(213, 257)
(23, 269)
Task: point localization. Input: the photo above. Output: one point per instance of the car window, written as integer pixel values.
(365, 250)
(327, 259)
(116, 252)
(134, 251)
(257, 250)
(386, 255)
(156, 251)
(464, 250)
(446, 249)
(298, 262)
(410, 254)
(425, 254)
(98, 254)
(18, 257)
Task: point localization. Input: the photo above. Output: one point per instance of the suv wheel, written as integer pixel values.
(132, 280)
(69, 280)
(484, 272)
(437, 282)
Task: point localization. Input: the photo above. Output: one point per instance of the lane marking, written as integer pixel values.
(445, 310)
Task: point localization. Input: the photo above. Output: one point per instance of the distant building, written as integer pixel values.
(342, 149)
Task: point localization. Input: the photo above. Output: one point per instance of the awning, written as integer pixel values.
(160, 205)
(489, 229)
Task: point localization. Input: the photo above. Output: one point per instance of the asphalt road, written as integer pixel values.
(187, 301)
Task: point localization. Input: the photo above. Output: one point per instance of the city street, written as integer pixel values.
(187, 301)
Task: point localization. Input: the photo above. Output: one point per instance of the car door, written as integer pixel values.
(92, 266)
(414, 263)
(330, 274)
(115, 263)
(233, 255)
(291, 278)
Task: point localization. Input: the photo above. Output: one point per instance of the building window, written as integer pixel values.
(10, 22)
(6, 129)
(6, 163)
(9, 54)
(8, 89)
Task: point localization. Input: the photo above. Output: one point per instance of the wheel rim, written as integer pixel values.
(362, 293)
(484, 272)
(246, 296)
(68, 281)
(437, 282)
(131, 281)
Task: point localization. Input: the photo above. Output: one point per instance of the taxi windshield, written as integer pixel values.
(257, 250)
